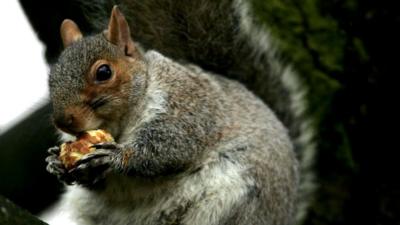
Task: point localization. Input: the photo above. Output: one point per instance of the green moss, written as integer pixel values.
(311, 42)
(360, 49)
(315, 44)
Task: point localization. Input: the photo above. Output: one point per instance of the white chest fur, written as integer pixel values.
(201, 198)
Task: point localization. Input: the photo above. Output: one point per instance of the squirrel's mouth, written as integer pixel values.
(75, 125)
(69, 130)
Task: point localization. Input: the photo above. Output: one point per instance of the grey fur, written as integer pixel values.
(221, 37)
(212, 153)
(224, 37)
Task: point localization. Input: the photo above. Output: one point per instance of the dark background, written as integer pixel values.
(346, 51)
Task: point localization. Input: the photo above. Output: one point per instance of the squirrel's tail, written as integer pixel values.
(285, 92)
(223, 37)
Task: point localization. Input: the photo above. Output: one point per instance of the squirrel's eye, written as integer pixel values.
(103, 73)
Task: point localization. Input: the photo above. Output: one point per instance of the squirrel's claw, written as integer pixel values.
(55, 167)
(54, 150)
(91, 170)
(107, 145)
(88, 170)
(94, 155)
(93, 167)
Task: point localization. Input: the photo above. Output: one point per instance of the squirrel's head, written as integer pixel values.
(97, 78)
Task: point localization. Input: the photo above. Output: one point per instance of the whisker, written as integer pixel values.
(98, 102)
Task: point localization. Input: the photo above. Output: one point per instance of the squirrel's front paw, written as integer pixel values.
(56, 167)
(94, 167)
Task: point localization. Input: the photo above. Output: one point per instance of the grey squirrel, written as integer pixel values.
(192, 147)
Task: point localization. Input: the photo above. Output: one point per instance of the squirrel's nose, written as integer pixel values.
(65, 123)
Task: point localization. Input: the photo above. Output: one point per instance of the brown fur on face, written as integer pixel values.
(77, 118)
(82, 115)
(120, 76)
(79, 104)
(112, 92)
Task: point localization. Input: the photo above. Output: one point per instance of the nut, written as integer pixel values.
(71, 152)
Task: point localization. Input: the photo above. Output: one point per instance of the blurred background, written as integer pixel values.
(24, 69)
(23, 93)
(346, 51)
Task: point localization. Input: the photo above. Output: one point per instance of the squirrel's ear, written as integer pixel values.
(118, 32)
(69, 32)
